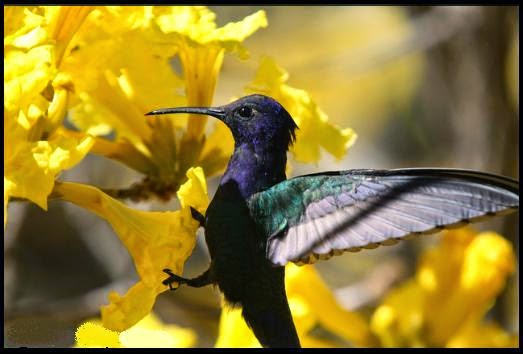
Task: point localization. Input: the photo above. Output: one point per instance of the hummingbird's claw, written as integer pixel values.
(173, 278)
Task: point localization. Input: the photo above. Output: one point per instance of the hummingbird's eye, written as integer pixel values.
(245, 112)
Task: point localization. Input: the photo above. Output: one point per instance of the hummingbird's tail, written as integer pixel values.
(273, 326)
(266, 309)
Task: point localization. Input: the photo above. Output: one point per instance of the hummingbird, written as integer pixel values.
(258, 220)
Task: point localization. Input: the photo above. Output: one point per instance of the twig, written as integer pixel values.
(138, 192)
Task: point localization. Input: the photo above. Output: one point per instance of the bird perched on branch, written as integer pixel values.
(258, 221)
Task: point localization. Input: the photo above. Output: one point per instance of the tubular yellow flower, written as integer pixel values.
(315, 130)
(305, 283)
(63, 22)
(399, 320)
(113, 92)
(483, 335)
(201, 47)
(455, 285)
(31, 168)
(155, 240)
(484, 263)
(150, 332)
(36, 100)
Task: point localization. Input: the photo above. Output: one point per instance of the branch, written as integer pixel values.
(138, 192)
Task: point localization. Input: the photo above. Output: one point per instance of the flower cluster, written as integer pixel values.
(445, 304)
(101, 68)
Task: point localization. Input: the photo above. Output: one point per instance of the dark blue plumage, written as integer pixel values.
(258, 221)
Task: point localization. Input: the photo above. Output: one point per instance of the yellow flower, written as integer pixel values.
(201, 48)
(54, 64)
(155, 240)
(398, 321)
(36, 99)
(150, 332)
(355, 53)
(312, 304)
(314, 129)
(314, 132)
(114, 90)
(483, 335)
(455, 285)
(54, 67)
(233, 332)
(31, 168)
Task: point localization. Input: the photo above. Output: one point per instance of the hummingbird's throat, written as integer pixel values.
(255, 170)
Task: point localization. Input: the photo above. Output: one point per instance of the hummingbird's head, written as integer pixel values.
(254, 119)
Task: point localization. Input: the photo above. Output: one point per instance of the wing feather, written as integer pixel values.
(317, 216)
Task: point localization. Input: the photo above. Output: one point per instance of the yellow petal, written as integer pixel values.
(91, 334)
(217, 150)
(469, 271)
(315, 131)
(125, 18)
(150, 332)
(148, 236)
(125, 311)
(304, 319)
(436, 271)
(239, 31)
(113, 91)
(483, 335)
(305, 284)
(32, 167)
(8, 190)
(399, 320)
(126, 153)
(90, 117)
(126, 118)
(198, 24)
(363, 64)
(195, 22)
(158, 86)
(155, 240)
(233, 332)
(193, 193)
(233, 33)
(24, 27)
(489, 259)
(63, 22)
(455, 284)
(26, 75)
(201, 49)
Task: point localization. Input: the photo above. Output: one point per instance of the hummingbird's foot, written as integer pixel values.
(196, 215)
(173, 278)
(201, 280)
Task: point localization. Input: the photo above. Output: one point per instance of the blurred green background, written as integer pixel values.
(421, 86)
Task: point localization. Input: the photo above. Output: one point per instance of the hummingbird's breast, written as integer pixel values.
(234, 245)
(238, 262)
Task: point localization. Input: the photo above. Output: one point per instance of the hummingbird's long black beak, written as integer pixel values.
(214, 112)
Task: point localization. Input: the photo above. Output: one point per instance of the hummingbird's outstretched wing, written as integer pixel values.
(313, 217)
